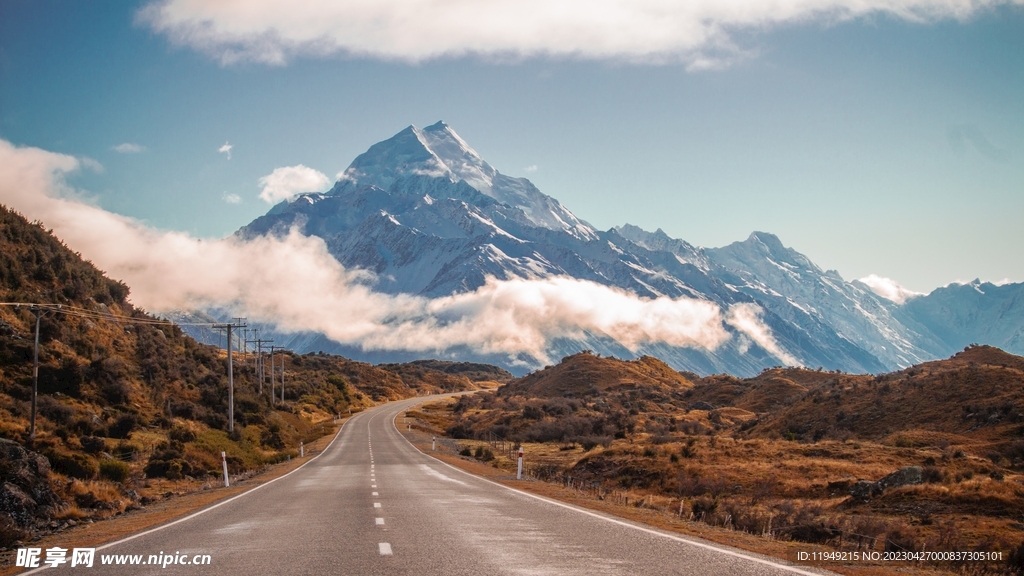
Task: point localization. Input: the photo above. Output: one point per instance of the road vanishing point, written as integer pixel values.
(371, 503)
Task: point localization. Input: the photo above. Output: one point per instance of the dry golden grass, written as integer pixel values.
(758, 493)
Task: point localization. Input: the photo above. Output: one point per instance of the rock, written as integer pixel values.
(906, 476)
(864, 490)
(700, 406)
(26, 493)
(17, 504)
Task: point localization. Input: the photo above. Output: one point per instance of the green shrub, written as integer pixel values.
(75, 465)
(115, 470)
(181, 434)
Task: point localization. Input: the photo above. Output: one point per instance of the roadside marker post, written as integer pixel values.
(519, 471)
(302, 450)
(433, 443)
(224, 462)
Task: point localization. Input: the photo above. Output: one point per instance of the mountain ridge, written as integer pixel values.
(428, 216)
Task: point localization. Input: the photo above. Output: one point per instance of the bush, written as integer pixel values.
(704, 506)
(123, 426)
(115, 470)
(93, 444)
(181, 434)
(75, 465)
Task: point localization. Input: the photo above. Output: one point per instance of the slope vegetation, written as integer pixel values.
(128, 403)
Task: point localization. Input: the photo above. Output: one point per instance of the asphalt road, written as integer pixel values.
(371, 503)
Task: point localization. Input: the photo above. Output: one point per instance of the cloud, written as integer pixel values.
(284, 183)
(699, 33)
(746, 318)
(530, 169)
(232, 198)
(299, 286)
(888, 288)
(226, 149)
(129, 148)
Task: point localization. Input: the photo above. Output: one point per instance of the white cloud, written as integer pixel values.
(286, 182)
(226, 149)
(531, 168)
(697, 32)
(299, 286)
(129, 148)
(232, 198)
(746, 318)
(888, 288)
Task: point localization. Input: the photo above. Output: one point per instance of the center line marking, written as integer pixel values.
(373, 485)
(380, 521)
(385, 549)
(376, 504)
(375, 494)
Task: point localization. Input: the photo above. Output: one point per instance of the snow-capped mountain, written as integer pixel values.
(426, 214)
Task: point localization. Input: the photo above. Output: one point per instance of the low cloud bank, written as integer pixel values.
(295, 284)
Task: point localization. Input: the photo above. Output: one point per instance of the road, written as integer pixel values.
(371, 503)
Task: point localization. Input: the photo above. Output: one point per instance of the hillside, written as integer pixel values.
(930, 457)
(126, 400)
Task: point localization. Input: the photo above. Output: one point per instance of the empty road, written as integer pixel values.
(371, 503)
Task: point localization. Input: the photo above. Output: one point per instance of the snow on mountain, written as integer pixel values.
(437, 152)
(428, 216)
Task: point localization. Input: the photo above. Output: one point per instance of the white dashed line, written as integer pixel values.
(385, 549)
(375, 494)
(373, 485)
(380, 521)
(376, 504)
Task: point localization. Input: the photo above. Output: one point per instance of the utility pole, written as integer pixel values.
(231, 373)
(272, 398)
(261, 372)
(35, 377)
(255, 359)
(282, 378)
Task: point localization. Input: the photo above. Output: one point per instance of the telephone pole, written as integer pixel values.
(237, 323)
(273, 399)
(261, 373)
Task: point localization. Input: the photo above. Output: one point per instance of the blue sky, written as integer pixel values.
(888, 142)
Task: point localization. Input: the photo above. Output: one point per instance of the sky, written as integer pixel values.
(877, 137)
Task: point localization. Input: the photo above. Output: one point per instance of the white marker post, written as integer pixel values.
(224, 461)
(519, 471)
(433, 443)
(302, 450)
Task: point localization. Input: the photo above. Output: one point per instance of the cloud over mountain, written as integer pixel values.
(298, 286)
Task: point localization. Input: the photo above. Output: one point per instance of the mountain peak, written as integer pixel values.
(439, 155)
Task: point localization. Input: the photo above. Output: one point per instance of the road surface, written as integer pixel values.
(371, 503)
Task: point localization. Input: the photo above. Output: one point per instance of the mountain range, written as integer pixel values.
(428, 216)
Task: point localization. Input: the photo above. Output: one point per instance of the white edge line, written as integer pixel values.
(217, 505)
(616, 521)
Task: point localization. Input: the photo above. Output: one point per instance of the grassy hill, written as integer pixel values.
(128, 403)
(790, 454)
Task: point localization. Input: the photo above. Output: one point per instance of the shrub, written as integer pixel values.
(123, 426)
(115, 470)
(932, 475)
(704, 506)
(92, 444)
(181, 434)
(74, 465)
